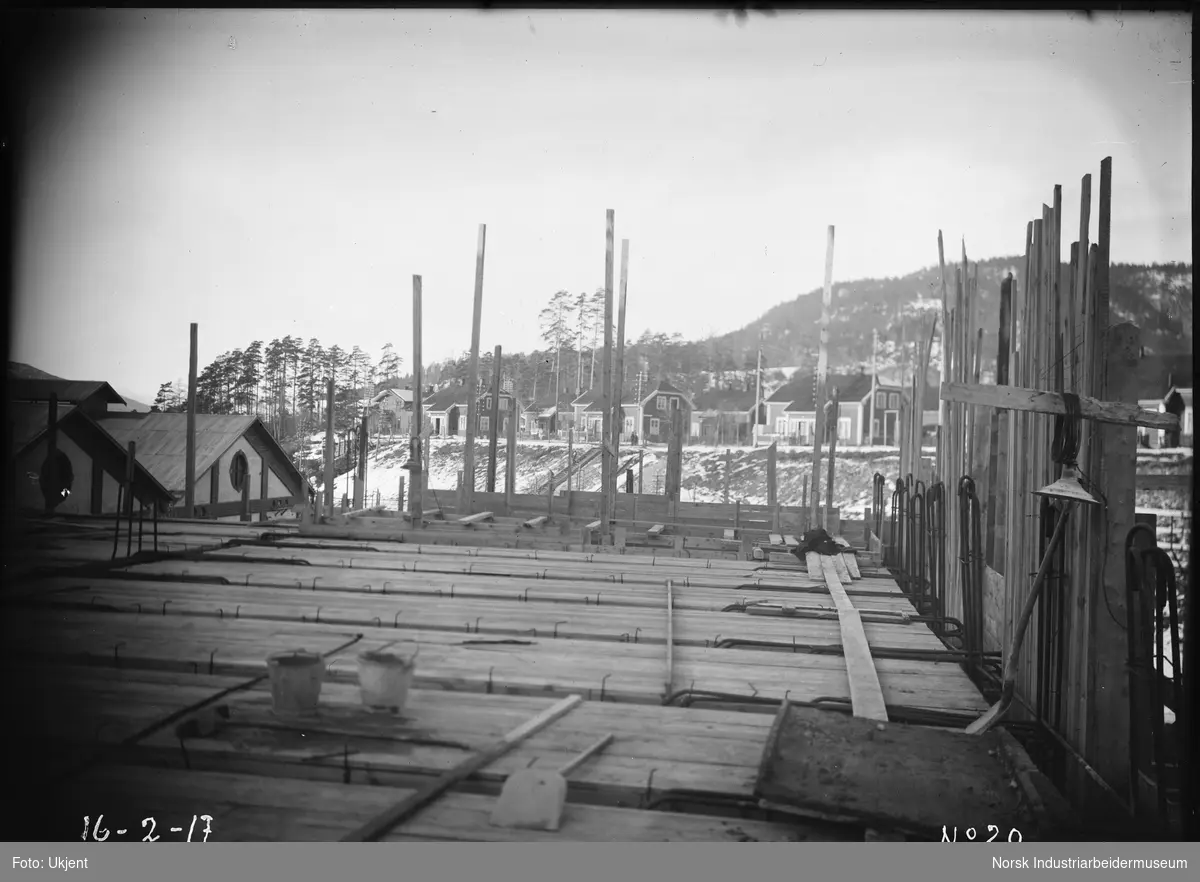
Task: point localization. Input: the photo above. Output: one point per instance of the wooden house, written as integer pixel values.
(447, 409)
(231, 449)
(90, 464)
(656, 411)
(92, 397)
(791, 412)
(588, 416)
(1178, 401)
(723, 416)
(390, 412)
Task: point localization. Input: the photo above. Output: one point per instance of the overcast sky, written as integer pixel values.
(274, 173)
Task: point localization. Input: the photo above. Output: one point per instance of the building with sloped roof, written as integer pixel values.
(90, 465)
(230, 449)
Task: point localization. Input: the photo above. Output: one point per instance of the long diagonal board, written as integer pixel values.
(866, 695)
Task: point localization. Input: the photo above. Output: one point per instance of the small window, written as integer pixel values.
(662, 402)
(239, 470)
(881, 399)
(487, 402)
(654, 425)
(504, 404)
(844, 429)
(485, 424)
(894, 400)
(781, 425)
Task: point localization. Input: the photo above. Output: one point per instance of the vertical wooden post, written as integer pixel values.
(570, 464)
(494, 422)
(998, 454)
(52, 455)
(641, 468)
(329, 448)
(725, 482)
(246, 516)
(473, 378)
(607, 459)
(189, 488)
(675, 458)
(833, 439)
(1116, 447)
(618, 419)
(264, 488)
(416, 499)
(822, 374)
(550, 496)
(772, 485)
(510, 464)
(130, 471)
(400, 496)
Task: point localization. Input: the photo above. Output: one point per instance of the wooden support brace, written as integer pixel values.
(537, 522)
(1118, 413)
(475, 518)
(656, 531)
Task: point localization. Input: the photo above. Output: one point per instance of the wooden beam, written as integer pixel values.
(329, 445)
(1108, 686)
(189, 485)
(822, 378)
(413, 803)
(475, 518)
(608, 465)
(537, 522)
(772, 481)
(416, 498)
(833, 435)
(656, 531)
(473, 375)
(618, 422)
(510, 451)
(1120, 413)
(494, 421)
(866, 695)
(725, 482)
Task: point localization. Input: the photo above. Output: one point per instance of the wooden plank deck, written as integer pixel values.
(502, 634)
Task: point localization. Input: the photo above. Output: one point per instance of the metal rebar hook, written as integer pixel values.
(378, 621)
(755, 688)
(314, 584)
(489, 682)
(396, 620)
(556, 624)
(649, 787)
(477, 620)
(603, 684)
(117, 654)
(211, 661)
(636, 632)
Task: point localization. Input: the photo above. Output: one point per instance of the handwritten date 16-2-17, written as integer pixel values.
(99, 832)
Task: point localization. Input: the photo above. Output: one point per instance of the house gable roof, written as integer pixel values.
(664, 387)
(725, 401)
(161, 440)
(31, 424)
(69, 391)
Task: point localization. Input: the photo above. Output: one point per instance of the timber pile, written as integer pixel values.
(133, 650)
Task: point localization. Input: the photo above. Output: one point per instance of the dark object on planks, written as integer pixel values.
(818, 541)
(910, 779)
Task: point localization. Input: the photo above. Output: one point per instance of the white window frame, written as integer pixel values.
(893, 401)
(504, 403)
(662, 402)
(844, 427)
(653, 425)
(485, 424)
(781, 424)
(881, 399)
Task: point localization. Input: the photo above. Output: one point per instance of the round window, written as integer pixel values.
(239, 471)
(56, 478)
